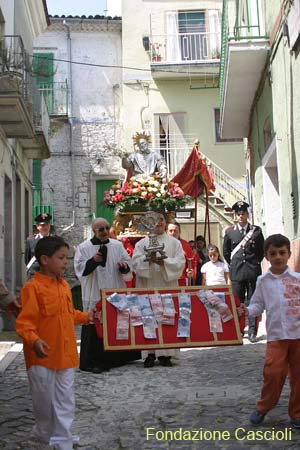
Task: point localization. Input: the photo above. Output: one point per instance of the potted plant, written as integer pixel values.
(155, 51)
(215, 53)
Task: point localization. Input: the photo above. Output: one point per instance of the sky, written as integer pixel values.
(76, 7)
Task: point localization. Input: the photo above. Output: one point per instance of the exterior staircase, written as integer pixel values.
(227, 192)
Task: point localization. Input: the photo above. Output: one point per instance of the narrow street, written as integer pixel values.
(206, 396)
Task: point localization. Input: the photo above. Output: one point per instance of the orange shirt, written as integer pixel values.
(47, 313)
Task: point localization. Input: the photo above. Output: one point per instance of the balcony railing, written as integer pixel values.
(13, 61)
(184, 48)
(248, 23)
(12, 54)
(177, 150)
(57, 97)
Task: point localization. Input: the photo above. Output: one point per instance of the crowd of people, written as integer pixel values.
(46, 314)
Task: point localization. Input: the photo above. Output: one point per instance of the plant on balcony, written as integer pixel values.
(155, 51)
(145, 193)
(215, 53)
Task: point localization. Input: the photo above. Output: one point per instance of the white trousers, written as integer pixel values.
(165, 352)
(53, 402)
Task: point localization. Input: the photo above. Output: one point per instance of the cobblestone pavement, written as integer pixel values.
(212, 390)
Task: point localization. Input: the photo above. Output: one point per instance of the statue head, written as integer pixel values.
(142, 141)
(143, 146)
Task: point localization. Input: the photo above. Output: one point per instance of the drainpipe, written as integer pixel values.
(70, 120)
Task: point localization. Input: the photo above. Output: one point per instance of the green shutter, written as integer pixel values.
(43, 70)
(37, 174)
(38, 207)
(101, 209)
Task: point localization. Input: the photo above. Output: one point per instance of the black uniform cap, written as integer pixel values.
(240, 207)
(43, 219)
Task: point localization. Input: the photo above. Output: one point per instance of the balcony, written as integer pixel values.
(15, 111)
(57, 97)
(37, 147)
(243, 58)
(182, 55)
(23, 113)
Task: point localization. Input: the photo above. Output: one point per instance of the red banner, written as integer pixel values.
(194, 175)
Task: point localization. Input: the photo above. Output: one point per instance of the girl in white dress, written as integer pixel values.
(215, 271)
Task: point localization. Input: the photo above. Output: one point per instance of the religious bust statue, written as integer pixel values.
(143, 160)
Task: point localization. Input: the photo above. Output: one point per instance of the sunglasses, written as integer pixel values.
(101, 229)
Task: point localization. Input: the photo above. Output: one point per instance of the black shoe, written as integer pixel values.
(252, 338)
(149, 361)
(100, 369)
(86, 369)
(165, 361)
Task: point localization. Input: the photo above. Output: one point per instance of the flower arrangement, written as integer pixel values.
(145, 192)
(155, 51)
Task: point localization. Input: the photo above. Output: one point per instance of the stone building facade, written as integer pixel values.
(85, 100)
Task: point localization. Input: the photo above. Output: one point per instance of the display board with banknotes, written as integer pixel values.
(168, 318)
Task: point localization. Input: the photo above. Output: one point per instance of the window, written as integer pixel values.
(217, 129)
(43, 71)
(169, 139)
(192, 35)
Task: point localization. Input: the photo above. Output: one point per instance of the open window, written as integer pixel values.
(192, 35)
(170, 140)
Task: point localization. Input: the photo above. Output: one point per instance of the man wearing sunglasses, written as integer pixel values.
(100, 263)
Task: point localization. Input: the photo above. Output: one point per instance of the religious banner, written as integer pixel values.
(159, 318)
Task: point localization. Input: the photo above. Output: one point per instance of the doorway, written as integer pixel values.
(271, 191)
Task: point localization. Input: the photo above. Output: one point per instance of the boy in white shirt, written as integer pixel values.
(278, 292)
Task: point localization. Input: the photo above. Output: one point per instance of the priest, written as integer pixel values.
(100, 263)
(159, 272)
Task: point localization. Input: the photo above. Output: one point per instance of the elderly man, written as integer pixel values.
(243, 249)
(42, 224)
(159, 272)
(99, 263)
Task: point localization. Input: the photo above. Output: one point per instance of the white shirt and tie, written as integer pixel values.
(243, 230)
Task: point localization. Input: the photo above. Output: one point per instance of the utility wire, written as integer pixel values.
(121, 67)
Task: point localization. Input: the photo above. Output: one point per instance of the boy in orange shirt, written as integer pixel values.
(46, 325)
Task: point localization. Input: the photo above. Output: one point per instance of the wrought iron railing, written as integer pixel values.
(57, 97)
(248, 22)
(227, 188)
(182, 48)
(41, 118)
(14, 60)
(12, 54)
(176, 153)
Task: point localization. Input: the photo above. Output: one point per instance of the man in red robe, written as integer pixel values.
(189, 272)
